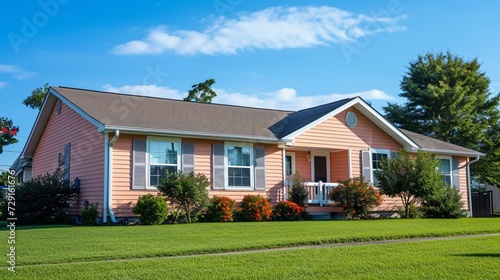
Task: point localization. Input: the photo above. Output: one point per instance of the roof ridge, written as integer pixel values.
(174, 100)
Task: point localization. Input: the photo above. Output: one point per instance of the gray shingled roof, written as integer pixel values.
(437, 146)
(167, 115)
(149, 114)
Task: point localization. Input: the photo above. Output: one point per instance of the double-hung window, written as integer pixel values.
(239, 165)
(377, 156)
(163, 154)
(446, 169)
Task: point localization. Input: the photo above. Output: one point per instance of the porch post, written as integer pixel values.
(320, 193)
(283, 164)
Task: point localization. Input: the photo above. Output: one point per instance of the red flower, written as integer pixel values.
(5, 130)
(13, 131)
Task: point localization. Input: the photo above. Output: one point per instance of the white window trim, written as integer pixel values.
(451, 166)
(177, 145)
(377, 151)
(292, 155)
(293, 161)
(226, 166)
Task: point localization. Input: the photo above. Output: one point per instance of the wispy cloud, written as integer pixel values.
(15, 71)
(272, 28)
(2, 85)
(285, 98)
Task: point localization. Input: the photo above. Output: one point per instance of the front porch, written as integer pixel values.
(318, 194)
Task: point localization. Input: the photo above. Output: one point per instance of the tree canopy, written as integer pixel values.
(202, 92)
(35, 100)
(7, 133)
(448, 98)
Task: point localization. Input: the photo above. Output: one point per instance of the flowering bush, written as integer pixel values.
(220, 209)
(7, 133)
(255, 208)
(356, 196)
(287, 211)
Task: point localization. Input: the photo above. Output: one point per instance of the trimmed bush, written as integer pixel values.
(356, 197)
(152, 210)
(287, 211)
(414, 212)
(90, 214)
(220, 209)
(255, 208)
(45, 200)
(445, 203)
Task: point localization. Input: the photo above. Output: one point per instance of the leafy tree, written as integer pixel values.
(7, 133)
(187, 192)
(448, 98)
(356, 197)
(202, 92)
(410, 178)
(35, 100)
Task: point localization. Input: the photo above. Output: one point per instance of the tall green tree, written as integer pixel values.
(448, 98)
(412, 179)
(35, 100)
(7, 133)
(202, 92)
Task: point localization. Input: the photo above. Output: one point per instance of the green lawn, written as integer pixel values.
(64, 245)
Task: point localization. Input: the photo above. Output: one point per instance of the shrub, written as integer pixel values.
(445, 203)
(152, 210)
(188, 192)
(90, 214)
(298, 192)
(220, 209)
(287, 211)
(414, 212)
(45, 199)
(356, 197)
(255, 208)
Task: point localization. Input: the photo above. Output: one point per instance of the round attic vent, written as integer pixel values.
(351, 119)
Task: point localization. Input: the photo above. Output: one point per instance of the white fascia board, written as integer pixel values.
(190, 134)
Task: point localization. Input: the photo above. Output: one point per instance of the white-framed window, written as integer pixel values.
(445, 168)
(377, 155)
(162, 154)
(239, 165)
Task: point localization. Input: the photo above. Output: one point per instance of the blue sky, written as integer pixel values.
(276, 54)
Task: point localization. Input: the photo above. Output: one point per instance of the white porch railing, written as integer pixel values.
(317, 192)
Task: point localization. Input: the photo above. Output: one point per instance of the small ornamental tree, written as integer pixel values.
(255, 208)
(152, 210)
(7, 133)
(298, 192)
(411, 178)
(188, 192)
(220, 209)
(444, 204)
(356, 197)
(287, 211)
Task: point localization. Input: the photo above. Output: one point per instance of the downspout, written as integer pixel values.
(349, 162)
(283, 163)
(108, 155)
(468, 182)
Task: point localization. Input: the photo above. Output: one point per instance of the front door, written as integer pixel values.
(320, 169)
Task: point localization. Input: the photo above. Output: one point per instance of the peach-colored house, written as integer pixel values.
(119, 145)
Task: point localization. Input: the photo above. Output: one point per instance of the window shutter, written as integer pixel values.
(260, 167)
(366, 164)
(455, 172)
(139, 164)
(187, 157)
(218, 167)
(67, 150)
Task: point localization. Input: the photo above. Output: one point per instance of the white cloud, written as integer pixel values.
(272, 28)
(15, 71)
(284, 99)
(2, 84)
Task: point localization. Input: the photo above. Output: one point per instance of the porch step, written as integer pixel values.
(319, 216)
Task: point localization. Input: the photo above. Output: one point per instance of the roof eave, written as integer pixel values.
(191, 134)
(454, 153)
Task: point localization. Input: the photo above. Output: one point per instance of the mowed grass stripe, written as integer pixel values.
(468, 258)
(80, 244)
